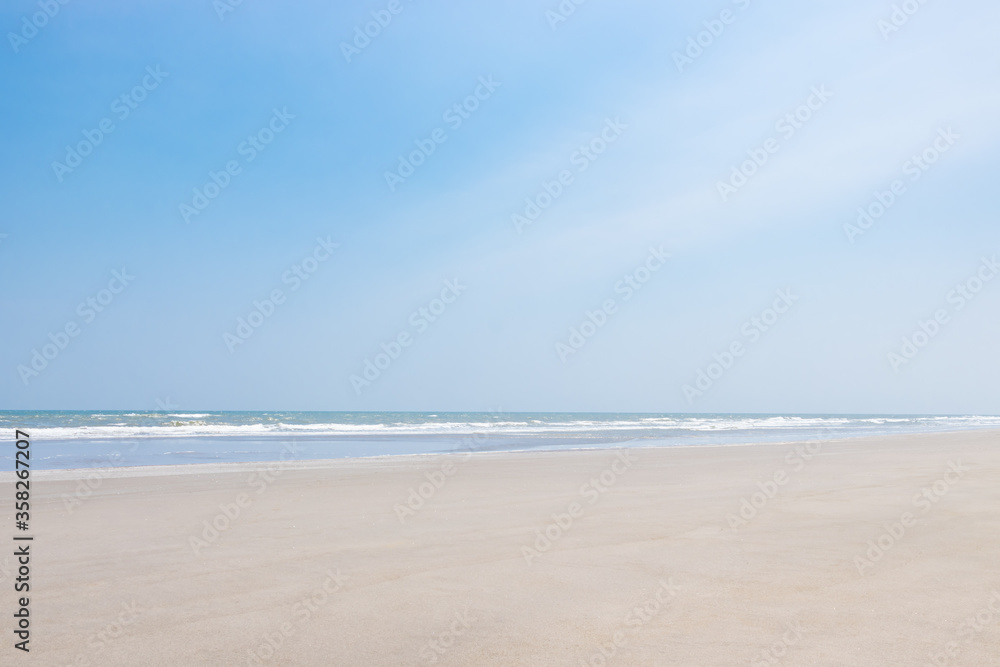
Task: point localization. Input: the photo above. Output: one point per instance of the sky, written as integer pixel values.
(530, 206)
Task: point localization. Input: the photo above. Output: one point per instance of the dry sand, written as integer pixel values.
(652, 563)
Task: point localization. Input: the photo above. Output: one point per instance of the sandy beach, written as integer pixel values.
(881, 551)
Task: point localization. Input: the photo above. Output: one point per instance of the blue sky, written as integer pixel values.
(495, 345)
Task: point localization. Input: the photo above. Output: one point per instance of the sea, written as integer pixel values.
(84, 439)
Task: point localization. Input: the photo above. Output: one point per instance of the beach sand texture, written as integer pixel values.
(847, 564)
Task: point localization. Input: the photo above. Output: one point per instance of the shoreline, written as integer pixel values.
(221, 467)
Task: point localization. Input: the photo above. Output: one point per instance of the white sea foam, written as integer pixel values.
(215, 425)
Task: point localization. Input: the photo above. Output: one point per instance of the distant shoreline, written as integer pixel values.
(224, 467)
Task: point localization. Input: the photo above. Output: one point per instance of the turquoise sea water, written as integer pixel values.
(71, 439)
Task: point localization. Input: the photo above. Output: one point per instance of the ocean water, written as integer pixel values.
(69, 439)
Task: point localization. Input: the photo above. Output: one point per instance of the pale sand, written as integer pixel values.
(737, 592)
